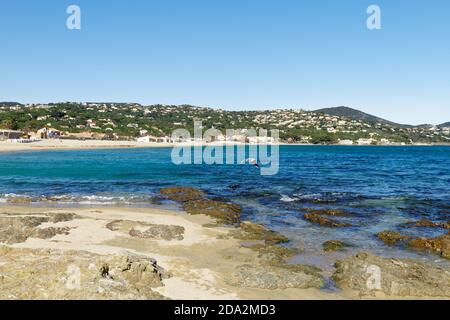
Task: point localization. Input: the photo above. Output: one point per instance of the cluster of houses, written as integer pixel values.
(22, 136)
(367, 142)
(46, 133)
(219, 139)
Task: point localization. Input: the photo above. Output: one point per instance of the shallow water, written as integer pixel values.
(382, 187)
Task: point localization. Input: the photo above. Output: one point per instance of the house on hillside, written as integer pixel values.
(363, 141)
(261, 139)
(85, 135)
(345, 142)
(48, 133)
(148, 139)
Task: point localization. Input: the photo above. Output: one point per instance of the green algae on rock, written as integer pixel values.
(392, 237)
(334, 245)
(253, 231)
(324, 221)
(439, 245)
(194, 202)
(328, 212)
(427, 224)
(182, 194)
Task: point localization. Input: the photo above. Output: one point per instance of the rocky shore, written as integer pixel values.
(207, 252)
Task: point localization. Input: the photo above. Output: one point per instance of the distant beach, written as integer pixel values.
(66, 144)
(57, 144)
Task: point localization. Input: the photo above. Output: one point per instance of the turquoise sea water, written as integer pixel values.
(381, 187)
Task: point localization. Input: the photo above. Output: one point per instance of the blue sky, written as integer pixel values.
(233, 54)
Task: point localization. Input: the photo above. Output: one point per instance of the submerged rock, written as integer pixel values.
(157, 200)
(368, 274)
(427, 224)
(392, 237)
(321, 217)
(439, 245)
(324, 221)
(271, 277)
(328, 212)
(333, 245)
(421, 223)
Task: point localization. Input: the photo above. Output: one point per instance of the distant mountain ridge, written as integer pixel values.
(10, 103)
(354, 114)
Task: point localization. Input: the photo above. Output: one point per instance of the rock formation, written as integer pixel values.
(369, 274)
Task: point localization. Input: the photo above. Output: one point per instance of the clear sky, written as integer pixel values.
(233, 54)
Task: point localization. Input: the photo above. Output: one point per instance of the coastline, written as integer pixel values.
(193, 258)
(56, 144)
(199, 264)
(7, 146)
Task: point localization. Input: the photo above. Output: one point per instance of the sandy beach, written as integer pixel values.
(67, 144)
(63, 144)
(57, 144)
(199, 261)
(40, 247)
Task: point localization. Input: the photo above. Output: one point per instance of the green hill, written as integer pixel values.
(354, 114)
(131, 120)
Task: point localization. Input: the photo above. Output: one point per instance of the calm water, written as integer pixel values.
(381, 186)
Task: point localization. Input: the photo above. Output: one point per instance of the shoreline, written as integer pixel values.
(198, 258)
(46, 145)
(199, 263)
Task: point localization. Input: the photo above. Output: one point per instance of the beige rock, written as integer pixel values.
(368, 274)
(271, 277)
(47, 274)
(147, 230)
